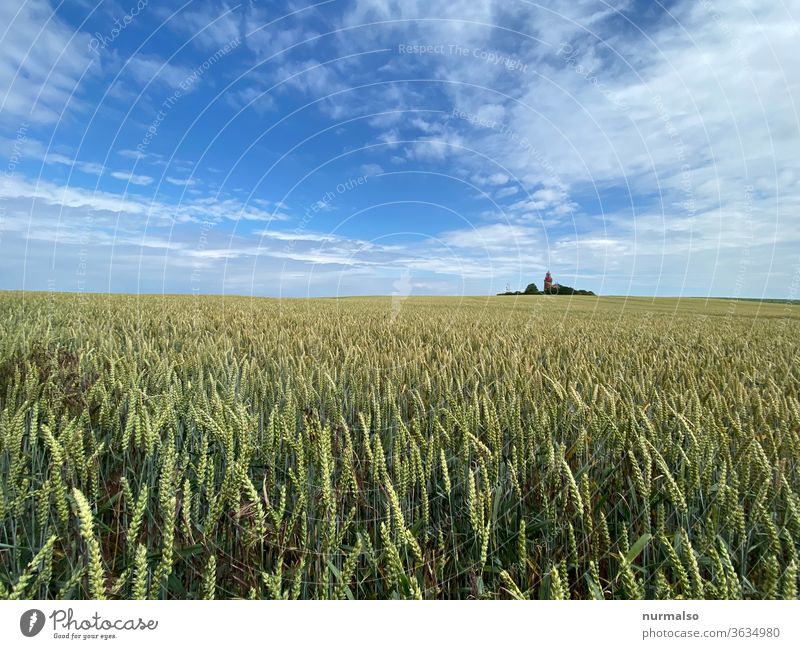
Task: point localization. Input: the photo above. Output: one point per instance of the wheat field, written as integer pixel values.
(534, 447)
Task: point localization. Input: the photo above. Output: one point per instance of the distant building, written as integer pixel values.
(549, 285)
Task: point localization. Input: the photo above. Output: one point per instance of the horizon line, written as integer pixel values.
(786, 300)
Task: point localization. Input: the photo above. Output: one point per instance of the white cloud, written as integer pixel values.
(180, 182)
(148, 68)
(505, 192)
(133, 154)
(74, 197)
(93, 168)
(208, 27)
(134, 179)
(298, 235)
(196, 210)
(43, 61)
(497, 236)
(498, 179)
(371, 169)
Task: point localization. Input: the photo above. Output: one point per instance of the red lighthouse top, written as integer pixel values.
(548, 281)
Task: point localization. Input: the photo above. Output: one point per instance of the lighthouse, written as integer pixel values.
(548, 282)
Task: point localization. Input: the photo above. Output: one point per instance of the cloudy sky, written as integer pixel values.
(348, 147)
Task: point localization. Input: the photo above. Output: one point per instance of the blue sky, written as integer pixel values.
(351, 147)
